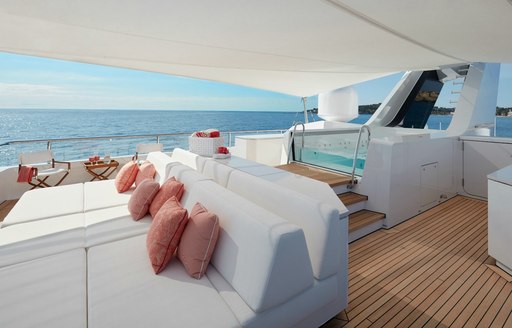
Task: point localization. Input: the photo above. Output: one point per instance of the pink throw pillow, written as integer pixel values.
(198, 241)
(143, 195)
(146, 171)
(165, 232)
(126, 176)
(170, 188)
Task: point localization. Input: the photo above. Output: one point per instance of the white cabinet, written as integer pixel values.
(500, 217)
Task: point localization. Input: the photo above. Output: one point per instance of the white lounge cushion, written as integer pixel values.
(188, 158)
(124, 291)
(238, 162)
(260, 170)
(263, 256)
(186, 175)
(46, 292)
(217, 171)
(162, 163)
(32, 240)
(289, 314)
(111, 224)
(103, 194)
(319, 220)
(315, 189)
(44, 203)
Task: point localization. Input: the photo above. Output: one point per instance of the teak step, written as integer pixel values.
(350, 198)
(363, 218)
(331, 178)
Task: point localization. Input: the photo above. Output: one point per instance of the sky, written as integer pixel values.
(32, 82)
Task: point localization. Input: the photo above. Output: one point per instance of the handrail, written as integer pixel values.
(356, 152)
(291, 139)
(49, 141)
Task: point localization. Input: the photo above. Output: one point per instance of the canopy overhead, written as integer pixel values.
(295, 47)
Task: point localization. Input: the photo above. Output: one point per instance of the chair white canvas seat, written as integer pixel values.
(50, 171)
(40, 160)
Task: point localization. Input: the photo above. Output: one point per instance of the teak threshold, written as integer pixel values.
(331, 178)
(430, 271)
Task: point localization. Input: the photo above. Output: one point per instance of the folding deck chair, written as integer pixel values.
(147, 148)
(41, 166)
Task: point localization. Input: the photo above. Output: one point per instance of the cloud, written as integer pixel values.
(30, 90)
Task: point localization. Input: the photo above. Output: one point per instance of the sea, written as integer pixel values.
(43, 124)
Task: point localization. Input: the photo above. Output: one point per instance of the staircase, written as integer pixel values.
(361, 221)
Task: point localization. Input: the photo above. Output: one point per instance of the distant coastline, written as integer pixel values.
(370, 109)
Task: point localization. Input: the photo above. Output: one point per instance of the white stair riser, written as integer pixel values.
(365, 230)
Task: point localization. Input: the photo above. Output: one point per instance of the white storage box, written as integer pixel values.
(205, 146)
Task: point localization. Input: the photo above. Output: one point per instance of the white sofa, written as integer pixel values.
(90, 268)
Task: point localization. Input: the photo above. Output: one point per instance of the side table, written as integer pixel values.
(105, 169)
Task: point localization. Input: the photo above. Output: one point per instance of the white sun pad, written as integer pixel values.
(103, 194)
(123, 291)
(111, 224)
(47, 292)
(45, 203)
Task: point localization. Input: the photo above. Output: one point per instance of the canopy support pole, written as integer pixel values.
(305, 101)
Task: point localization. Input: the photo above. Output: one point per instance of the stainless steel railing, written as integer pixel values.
(76, 148)
(292, 135)
(356, 153)
(157, 137)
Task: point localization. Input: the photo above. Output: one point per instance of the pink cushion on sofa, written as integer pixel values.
(142, 196)
(126, 176)
(198, 241)
(146, 171)
(170, 188)
(165, 233)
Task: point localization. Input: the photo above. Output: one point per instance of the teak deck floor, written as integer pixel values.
(432, 270)
(6, 207)
(331, 178)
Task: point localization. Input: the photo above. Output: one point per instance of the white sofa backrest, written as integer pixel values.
(262, 256)
(35, 239)
(319, 220)
(186, 175)
(188, 158)
(162, 163)
(218, 172)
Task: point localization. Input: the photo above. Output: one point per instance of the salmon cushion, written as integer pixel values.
(146, 171)
(165, 232)
(198, 241)
(170, 188)
(143, 195)
(126, 176)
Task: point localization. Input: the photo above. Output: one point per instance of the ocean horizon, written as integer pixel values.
(44, 124)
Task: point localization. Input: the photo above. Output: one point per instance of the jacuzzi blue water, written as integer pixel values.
(333, 161)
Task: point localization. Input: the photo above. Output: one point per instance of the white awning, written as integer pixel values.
(298, 47)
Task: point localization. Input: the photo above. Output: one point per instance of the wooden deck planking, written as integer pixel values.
(331, 178)
(6, 207)
(406, 274)
(363, 218)
(350, 198)
(429, 271)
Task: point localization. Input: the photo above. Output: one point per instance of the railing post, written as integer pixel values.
(229, 139)
(49, 145)
(290, 144)
(356, 151)
(158, 139)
